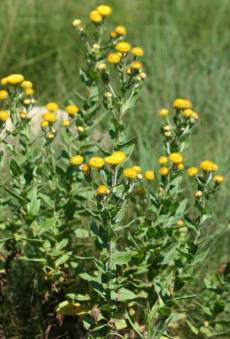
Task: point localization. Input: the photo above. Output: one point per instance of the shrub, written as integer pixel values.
(93, 244)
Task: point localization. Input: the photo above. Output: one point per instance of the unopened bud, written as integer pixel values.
(198, 194)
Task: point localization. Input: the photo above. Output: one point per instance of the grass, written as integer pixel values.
(187, 54)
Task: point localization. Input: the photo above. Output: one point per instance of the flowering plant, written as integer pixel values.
(92, 244)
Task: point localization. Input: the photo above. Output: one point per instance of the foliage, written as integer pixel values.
(100, 246)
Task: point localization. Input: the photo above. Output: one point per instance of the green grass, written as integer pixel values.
(187, 49)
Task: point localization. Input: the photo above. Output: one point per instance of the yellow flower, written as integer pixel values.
(137, 169)
(137, 51)
(66, 123)
(192, 171)
(102, 190)
(195, 116)
(26, 84)
(116, 158)
(176, 158)
(163, 160)
(96, 162)
(76, 160)
(72, 109)
(208, 166)
(52, 106)
(50, 135)
(4, 81)
(76, 23)
(113, 58)
(4, 115)
(104, 10)
(182, 103)
(23, 115)
(149, 175)
(121, 30)
(164, 171)
(135, 65)
(50, 117)
(113, 34)
(130, 173)
(123, 47)
(164, 112)
(3, 94)
(29, 91)
(218, 179)
(15, 79)
(180, 166)
(81, 129)
(187, 113)
(85, 168)
(44, 124)
(95, 17)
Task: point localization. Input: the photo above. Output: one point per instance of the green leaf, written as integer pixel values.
(63, 259)
(192, 327)
(81, 233)
(15, 168)
(122, 257)
(33, 206)
(123, 295)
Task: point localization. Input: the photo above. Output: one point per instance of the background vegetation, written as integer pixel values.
(187, 49)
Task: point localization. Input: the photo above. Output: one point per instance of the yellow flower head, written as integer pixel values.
(29, 91)
(116, 158)
(208, 166)
(95, 17)
(163, 160)
(187, 113)
(176, 158)
(164, 171)
(76, 160)
(180, 166)
(195, 116)
(15, 79)
(77, 23)
(137, 51)
(192, 171)
(4, 81)
(218, 179)
(26, 84)
(85, 168)
(3, 94)
(72, 109)
(96, 162)
(50, 117)
(164, 112)
(137, 169)
(130, 173)
(113, 34)
(149, 175)
(113, 58)
(50, 135)
(66, 123)
(123, 47)
(136, 65)
(104, 10)
(44, 124)
(102, 190)
(52, 106)
(120, 30)
(23, 115)
(182, 103)
(4, 115)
